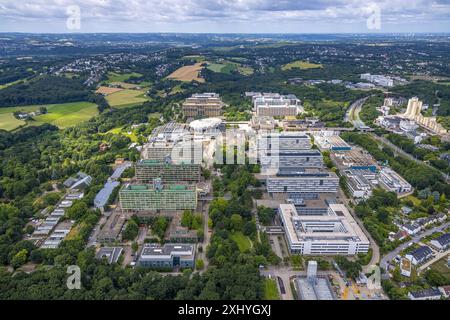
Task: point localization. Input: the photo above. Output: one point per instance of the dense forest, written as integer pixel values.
(44, 90)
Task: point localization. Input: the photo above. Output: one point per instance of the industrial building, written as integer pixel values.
(335, 233)
(392, 181)
(203, 105)
(356, 158)
(168, 256)
(302, 181)
(148, 170)
(333, 143)
(158, 197)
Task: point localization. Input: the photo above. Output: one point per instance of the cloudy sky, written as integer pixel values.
(227, 16)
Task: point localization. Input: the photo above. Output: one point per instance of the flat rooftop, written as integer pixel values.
(314, 289)
(154, 251)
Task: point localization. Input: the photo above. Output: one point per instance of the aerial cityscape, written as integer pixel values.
(231, 165)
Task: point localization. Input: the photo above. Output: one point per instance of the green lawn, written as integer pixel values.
(67, 114)
(441, 267)
(126, 98)
(119, 130)
(271, 290)
(8, 122)
(243, 242)
(300, 65)
(121, 77)
(62, 115)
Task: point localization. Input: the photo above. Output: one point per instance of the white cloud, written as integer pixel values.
(179, 14)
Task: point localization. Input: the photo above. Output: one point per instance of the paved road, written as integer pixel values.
(397, 150)
(375, 248)
(207, 235)
(93, 238)
(391, 255)
(352, 114)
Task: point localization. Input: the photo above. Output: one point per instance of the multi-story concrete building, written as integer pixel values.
(302, 181)
(392, 181)
(333, 143)
(158, 197)
(274, 104)
(203, 105)
(168, 256)
(294, 159)
(357, 159)
(284, 142)
(359, 182)
(186, 151)
(335, 233)
(148, 170)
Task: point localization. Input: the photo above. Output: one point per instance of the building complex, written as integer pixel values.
(334, 233)
(203, 105)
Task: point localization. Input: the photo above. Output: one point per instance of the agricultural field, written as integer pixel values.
(302, 65)
(8, 122)
(271, 290)
(107, 90)
(243, 242)
(121, 77)
(127, 98)
(196, 58)
(67, 114)
(188, 73)
(228, 67)
(62, 115)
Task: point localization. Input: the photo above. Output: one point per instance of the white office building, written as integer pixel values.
(335, 233)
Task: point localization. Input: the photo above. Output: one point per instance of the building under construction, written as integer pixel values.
(156, 196)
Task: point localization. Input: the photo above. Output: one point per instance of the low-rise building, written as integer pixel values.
(392, 181)
(112, 254)
(441, 243)
(419, 255)
(428, 294)
(168, 256)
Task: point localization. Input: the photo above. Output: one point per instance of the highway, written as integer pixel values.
(415, 239)
(352, 114)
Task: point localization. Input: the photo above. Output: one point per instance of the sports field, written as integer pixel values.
(127, 98)
(188, 73)
(303, 65)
